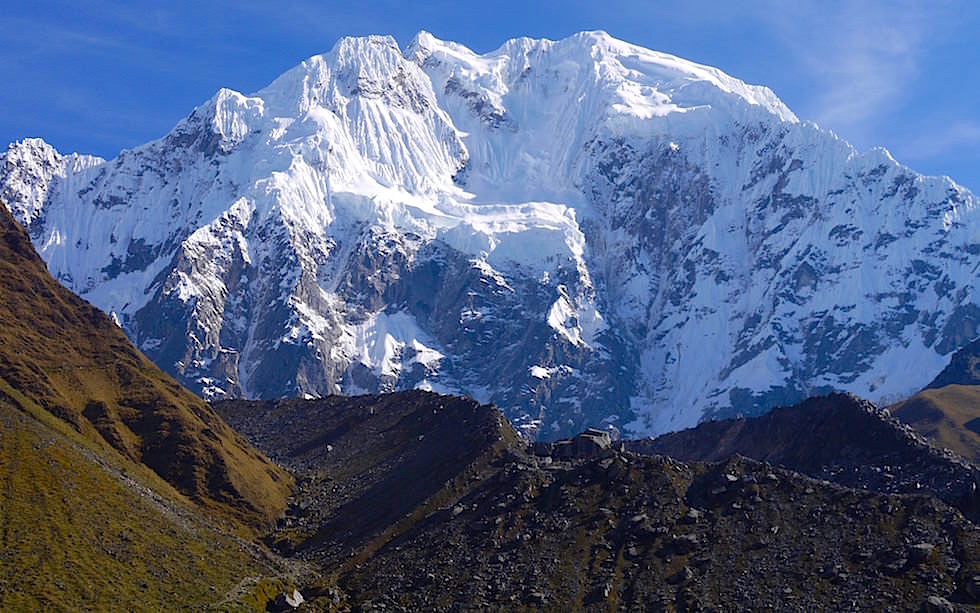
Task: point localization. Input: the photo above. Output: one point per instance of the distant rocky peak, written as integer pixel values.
(33, 165)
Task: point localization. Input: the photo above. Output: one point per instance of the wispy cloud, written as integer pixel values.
(861, 56)
(29, 37)
(942, 140)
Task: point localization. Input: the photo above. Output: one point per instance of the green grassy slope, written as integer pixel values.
(72, 361)
(82, 529)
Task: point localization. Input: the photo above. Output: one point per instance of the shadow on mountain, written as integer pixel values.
(368, 462)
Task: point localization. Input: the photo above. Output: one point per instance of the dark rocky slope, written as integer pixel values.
(838, 437)
(366, 463)
(415, 501)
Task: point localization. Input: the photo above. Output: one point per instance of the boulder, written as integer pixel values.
(937, 604)
(287, 601)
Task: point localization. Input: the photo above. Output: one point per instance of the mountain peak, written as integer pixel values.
(551, 226)
(638, 74)
(422, 44)
(360, 44)
(34, 164)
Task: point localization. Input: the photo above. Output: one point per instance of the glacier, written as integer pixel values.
(581, 231)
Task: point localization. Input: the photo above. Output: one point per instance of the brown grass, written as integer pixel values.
(82, 529)
(949, 416)
(71, 360)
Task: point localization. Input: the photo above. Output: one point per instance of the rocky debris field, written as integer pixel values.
(417, 501)
(840, 438)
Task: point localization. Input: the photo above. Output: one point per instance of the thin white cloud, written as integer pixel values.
(31, 37)
(861, 56)
(942, 140)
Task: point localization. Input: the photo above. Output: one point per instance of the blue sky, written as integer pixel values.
(96, 77)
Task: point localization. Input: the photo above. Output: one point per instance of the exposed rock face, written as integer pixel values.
(423, 502)
(963, 368)
(367, 462)
(583, 232)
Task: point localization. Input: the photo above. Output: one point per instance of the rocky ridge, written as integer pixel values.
(840, 438)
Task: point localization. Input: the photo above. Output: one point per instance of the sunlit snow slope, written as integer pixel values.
(584, 232)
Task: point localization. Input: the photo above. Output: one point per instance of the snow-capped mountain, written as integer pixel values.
(584, 232)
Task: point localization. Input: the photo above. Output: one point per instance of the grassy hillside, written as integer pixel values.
(72, 361)
(82, 529)
(949, 415)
